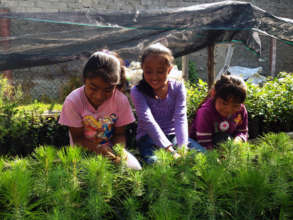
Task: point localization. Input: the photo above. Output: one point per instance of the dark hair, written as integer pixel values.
(227, 87)
(109, 66)
(230, 87)
(154, 49)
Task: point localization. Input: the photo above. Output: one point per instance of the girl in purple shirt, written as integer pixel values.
(160, 105)
(222, 114)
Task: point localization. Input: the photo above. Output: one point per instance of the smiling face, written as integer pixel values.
(98, 91)
(155, 71)
(226, 108)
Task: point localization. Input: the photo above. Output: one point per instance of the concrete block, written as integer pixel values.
(146, 2)
(28, 9)
(11, 4)
(28, 4)
(74, 6)
(86, 3)
(173, 4)
(49, 5)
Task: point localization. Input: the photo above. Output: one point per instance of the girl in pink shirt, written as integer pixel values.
(98, 112)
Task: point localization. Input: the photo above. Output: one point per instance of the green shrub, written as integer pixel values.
(272, 103)
(233, 182)
(74, 83)
(40, 107)
(195, 95)
(193, 75)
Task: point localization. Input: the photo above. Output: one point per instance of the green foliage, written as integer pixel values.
(273, 102)
(236, 181)
(74, 83)
(195, 95)
(193, 75)
(9, 93)
(23, 128)
(40, 107)
(21, 131)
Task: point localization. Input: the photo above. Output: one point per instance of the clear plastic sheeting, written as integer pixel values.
(251, 75)
(36, 39)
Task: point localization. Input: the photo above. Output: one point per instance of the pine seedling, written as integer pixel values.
(42, 162)
(252, 190)
(58, 213)
(187, 191)
(128, 183)
(281, 141)
(212, 185)
(44, 157)
(120, 152)
(64, 196)
(97, 178)
(162, 188)
(70, 158)
(277, 162)
(165, 159)
(131, 209)
(165, 208)
(16, 190)
(58, 182)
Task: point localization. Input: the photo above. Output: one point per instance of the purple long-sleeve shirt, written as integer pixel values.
(208, 122)
(160, 117)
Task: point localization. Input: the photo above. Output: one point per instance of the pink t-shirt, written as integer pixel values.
(98, 123)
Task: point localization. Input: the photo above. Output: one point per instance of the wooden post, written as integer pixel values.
(185, 69)
(211, 65)
(4, 45)
(273, 56)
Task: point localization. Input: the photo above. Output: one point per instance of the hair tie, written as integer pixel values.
(106, 51)
(127, 63)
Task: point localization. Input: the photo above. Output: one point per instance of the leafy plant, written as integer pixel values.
(236, 181)
(195, 95)
(73, 83)
(193, 75)
(24, 128)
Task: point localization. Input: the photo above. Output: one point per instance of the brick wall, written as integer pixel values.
(242, 57)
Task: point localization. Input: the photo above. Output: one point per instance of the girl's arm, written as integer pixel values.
(241, 133)
(146, 118)
(204, 127)
(80, 140)
(180, 115)
(125, 117)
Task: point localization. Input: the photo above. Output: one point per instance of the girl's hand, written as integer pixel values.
(183, 151)
(176, 155)
(238, 140)
(172, 151)
(107, 151)
(117, 160)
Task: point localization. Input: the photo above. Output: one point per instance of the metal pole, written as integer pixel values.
(211, 65)
(185, 69)
(273, 56)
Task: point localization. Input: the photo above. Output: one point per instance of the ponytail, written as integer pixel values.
(123, 86)
(145, 88)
